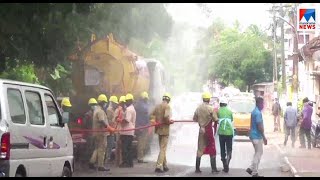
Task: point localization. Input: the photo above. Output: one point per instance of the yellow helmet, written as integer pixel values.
(114, 99)
(144, 95)
(129, 97)
(92, 101)
(102, 98)
(206, 95)
(166, 96)
(66, 102)
(122, 99)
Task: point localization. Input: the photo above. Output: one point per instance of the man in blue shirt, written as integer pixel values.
(257, 137)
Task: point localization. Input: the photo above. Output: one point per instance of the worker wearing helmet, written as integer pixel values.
(103, 101)
(205, 116)
(113, 104)
(142, 108)
(99, 123)
(118, 118)
(66, 105)
(225, 132)
(160, 116)
(126, 137)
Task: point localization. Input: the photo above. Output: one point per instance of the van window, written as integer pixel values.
(16, 106)
(53, 112)
(35, 110)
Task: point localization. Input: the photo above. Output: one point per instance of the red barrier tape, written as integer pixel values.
(118, 130)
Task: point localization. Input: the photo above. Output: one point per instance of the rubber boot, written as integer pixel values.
(228, 161)
(225, 168)
(213, 165)
(198, 160)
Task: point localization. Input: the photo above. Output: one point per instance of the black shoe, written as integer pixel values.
(198, 161)
(103, 169)
(225, 166)
(214, 169)
(249, 171)
(158, 170)
(165, 169)
(257, 175)
(228, 162)
(198, 171)
(91, 166)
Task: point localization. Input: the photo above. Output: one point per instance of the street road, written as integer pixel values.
(181, 156)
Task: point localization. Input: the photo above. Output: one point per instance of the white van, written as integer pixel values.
(35, 139)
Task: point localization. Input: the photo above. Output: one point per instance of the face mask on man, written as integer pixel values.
(93, 107)
(261, 106)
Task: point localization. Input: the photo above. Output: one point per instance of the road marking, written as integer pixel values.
(292, 168)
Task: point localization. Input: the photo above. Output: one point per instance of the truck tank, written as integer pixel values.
(105, 66)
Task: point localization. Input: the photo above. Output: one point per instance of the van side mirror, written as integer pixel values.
(65, 117)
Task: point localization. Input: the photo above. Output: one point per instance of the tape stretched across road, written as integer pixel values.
(118, 130)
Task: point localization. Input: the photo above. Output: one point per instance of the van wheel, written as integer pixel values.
(66, 172)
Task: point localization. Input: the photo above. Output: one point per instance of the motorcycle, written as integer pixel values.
(315, 134)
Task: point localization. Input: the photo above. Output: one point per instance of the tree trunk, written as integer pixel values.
(249, 87)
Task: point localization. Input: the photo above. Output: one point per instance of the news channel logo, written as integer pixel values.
(307, 18)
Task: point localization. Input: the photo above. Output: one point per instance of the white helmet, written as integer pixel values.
(224, 100)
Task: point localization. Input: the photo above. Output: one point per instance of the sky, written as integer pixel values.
(246, 13)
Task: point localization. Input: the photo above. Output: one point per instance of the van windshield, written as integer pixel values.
(241, 106)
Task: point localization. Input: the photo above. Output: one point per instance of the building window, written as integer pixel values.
(307, 38)
(301, 39)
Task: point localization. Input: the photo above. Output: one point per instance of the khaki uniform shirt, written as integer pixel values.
(99, 121)
(162, 114)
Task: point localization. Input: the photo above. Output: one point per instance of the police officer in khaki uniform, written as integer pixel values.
(161, 115)
(99, 123)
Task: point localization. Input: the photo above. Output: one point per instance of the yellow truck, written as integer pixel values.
(105, 66)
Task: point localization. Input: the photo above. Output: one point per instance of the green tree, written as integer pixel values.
(240, 58)
(43, 35)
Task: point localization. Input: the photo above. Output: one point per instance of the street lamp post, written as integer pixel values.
(295, 50)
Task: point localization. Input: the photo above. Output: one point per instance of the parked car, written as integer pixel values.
(35, 138)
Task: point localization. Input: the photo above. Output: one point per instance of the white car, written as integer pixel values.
(35, 139)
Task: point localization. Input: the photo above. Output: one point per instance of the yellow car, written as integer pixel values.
(241, 109)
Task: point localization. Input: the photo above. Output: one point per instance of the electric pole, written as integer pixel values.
(275, 68)
(283, 62)
(295, 79)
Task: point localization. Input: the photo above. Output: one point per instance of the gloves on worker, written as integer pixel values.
(111, 129)
(153, 122)
(171, 121)
(119, 120)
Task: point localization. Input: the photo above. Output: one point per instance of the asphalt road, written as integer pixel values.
(181, 159)
(181, 153)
